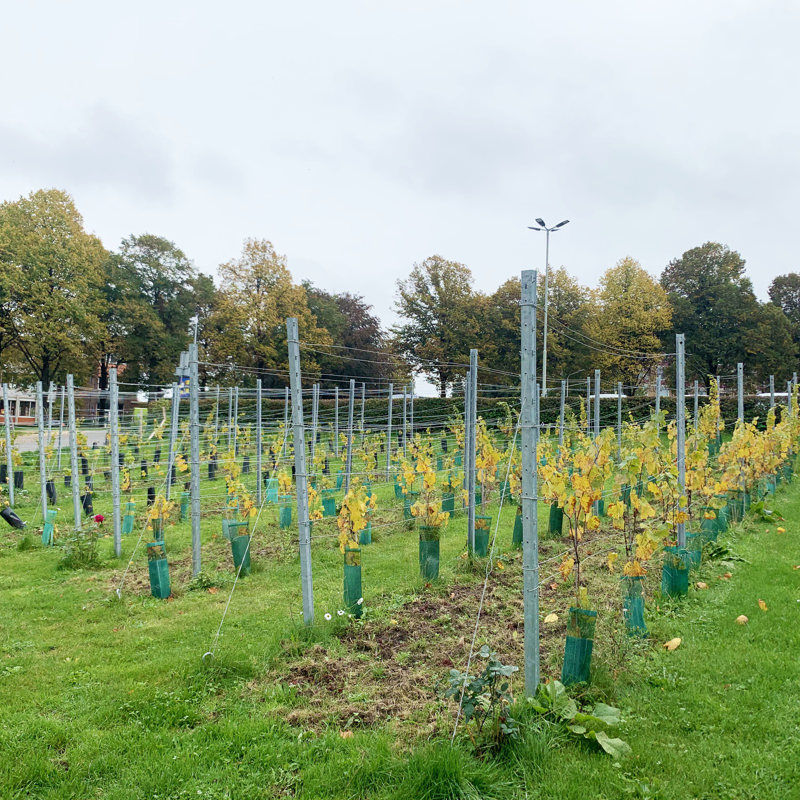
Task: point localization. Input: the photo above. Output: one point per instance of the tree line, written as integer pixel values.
(69, 305)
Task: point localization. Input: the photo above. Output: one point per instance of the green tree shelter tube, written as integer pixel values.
(516, 536)
(482, 523)
(352, 581)
(129, 518)
(240, 549)
(159, 570)
(579, 646)
(48, 528)
(285, 512)
(675, 572)
(633, 605)
(556, 522)
(365, 536)
(428, 553)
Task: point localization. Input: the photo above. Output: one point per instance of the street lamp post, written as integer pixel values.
(542, 227)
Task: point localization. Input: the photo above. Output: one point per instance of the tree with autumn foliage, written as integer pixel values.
(441, 320)
(631, 316)
(247, 328)
(50, 289)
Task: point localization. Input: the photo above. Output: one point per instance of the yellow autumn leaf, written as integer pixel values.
(633, 569)
(742, 619)
(673, 644)
(762, 605)
(551, 619)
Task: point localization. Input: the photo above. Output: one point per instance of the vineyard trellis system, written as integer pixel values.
(644, 477)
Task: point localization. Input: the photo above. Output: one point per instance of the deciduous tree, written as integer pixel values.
(441, 312)
(714, 305)
(247, 331)
(633, 313)
(50, 279)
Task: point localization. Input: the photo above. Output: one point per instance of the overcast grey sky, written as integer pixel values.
(361, 137)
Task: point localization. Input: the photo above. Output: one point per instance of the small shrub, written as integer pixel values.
(486, 700)
(26, 543)
(80, 549)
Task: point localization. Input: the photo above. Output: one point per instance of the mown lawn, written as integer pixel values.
(111, 698)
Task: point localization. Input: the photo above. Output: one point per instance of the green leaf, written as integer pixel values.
(579, 729)
(614, 747)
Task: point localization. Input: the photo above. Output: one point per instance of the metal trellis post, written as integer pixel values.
(113, 423)
(349, 454)
(194, 438)
(9, 460)
(42, 457)
(73, 453)
(300, 471)
(530, 528)
(680, 417)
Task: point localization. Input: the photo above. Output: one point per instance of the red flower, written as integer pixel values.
(98, 518)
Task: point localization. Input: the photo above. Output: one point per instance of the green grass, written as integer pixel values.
(108, 698)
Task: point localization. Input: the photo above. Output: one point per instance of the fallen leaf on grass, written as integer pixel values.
(742, 619)
(762, 605)
(672, 644)
(212, 589)
(551, 618)
(781, 530)
(554, 586)
(701, 585)
(796, 566)
(725, 577)
(346, 734)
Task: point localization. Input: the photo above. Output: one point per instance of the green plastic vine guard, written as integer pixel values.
(578, 647)
(328, 503)
(428, 553)
(398, 487)
(48, 528)
(675, 572)
(339, 479)
(448, 502)
(408, 501)
(365, 536)
(722, 521)
(352, 581)
(555, 524)
(600, 507)
(625, 494)
(709, 528)
(159, 570)
(272, 490)
(285, 511)
(694, 549)
(240, 549)
(231, 527)
(516, 536)
(482, 523)
(129, 518)
(633, 604)
(457, 459)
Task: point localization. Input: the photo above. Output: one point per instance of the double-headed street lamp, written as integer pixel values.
(542, 227)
